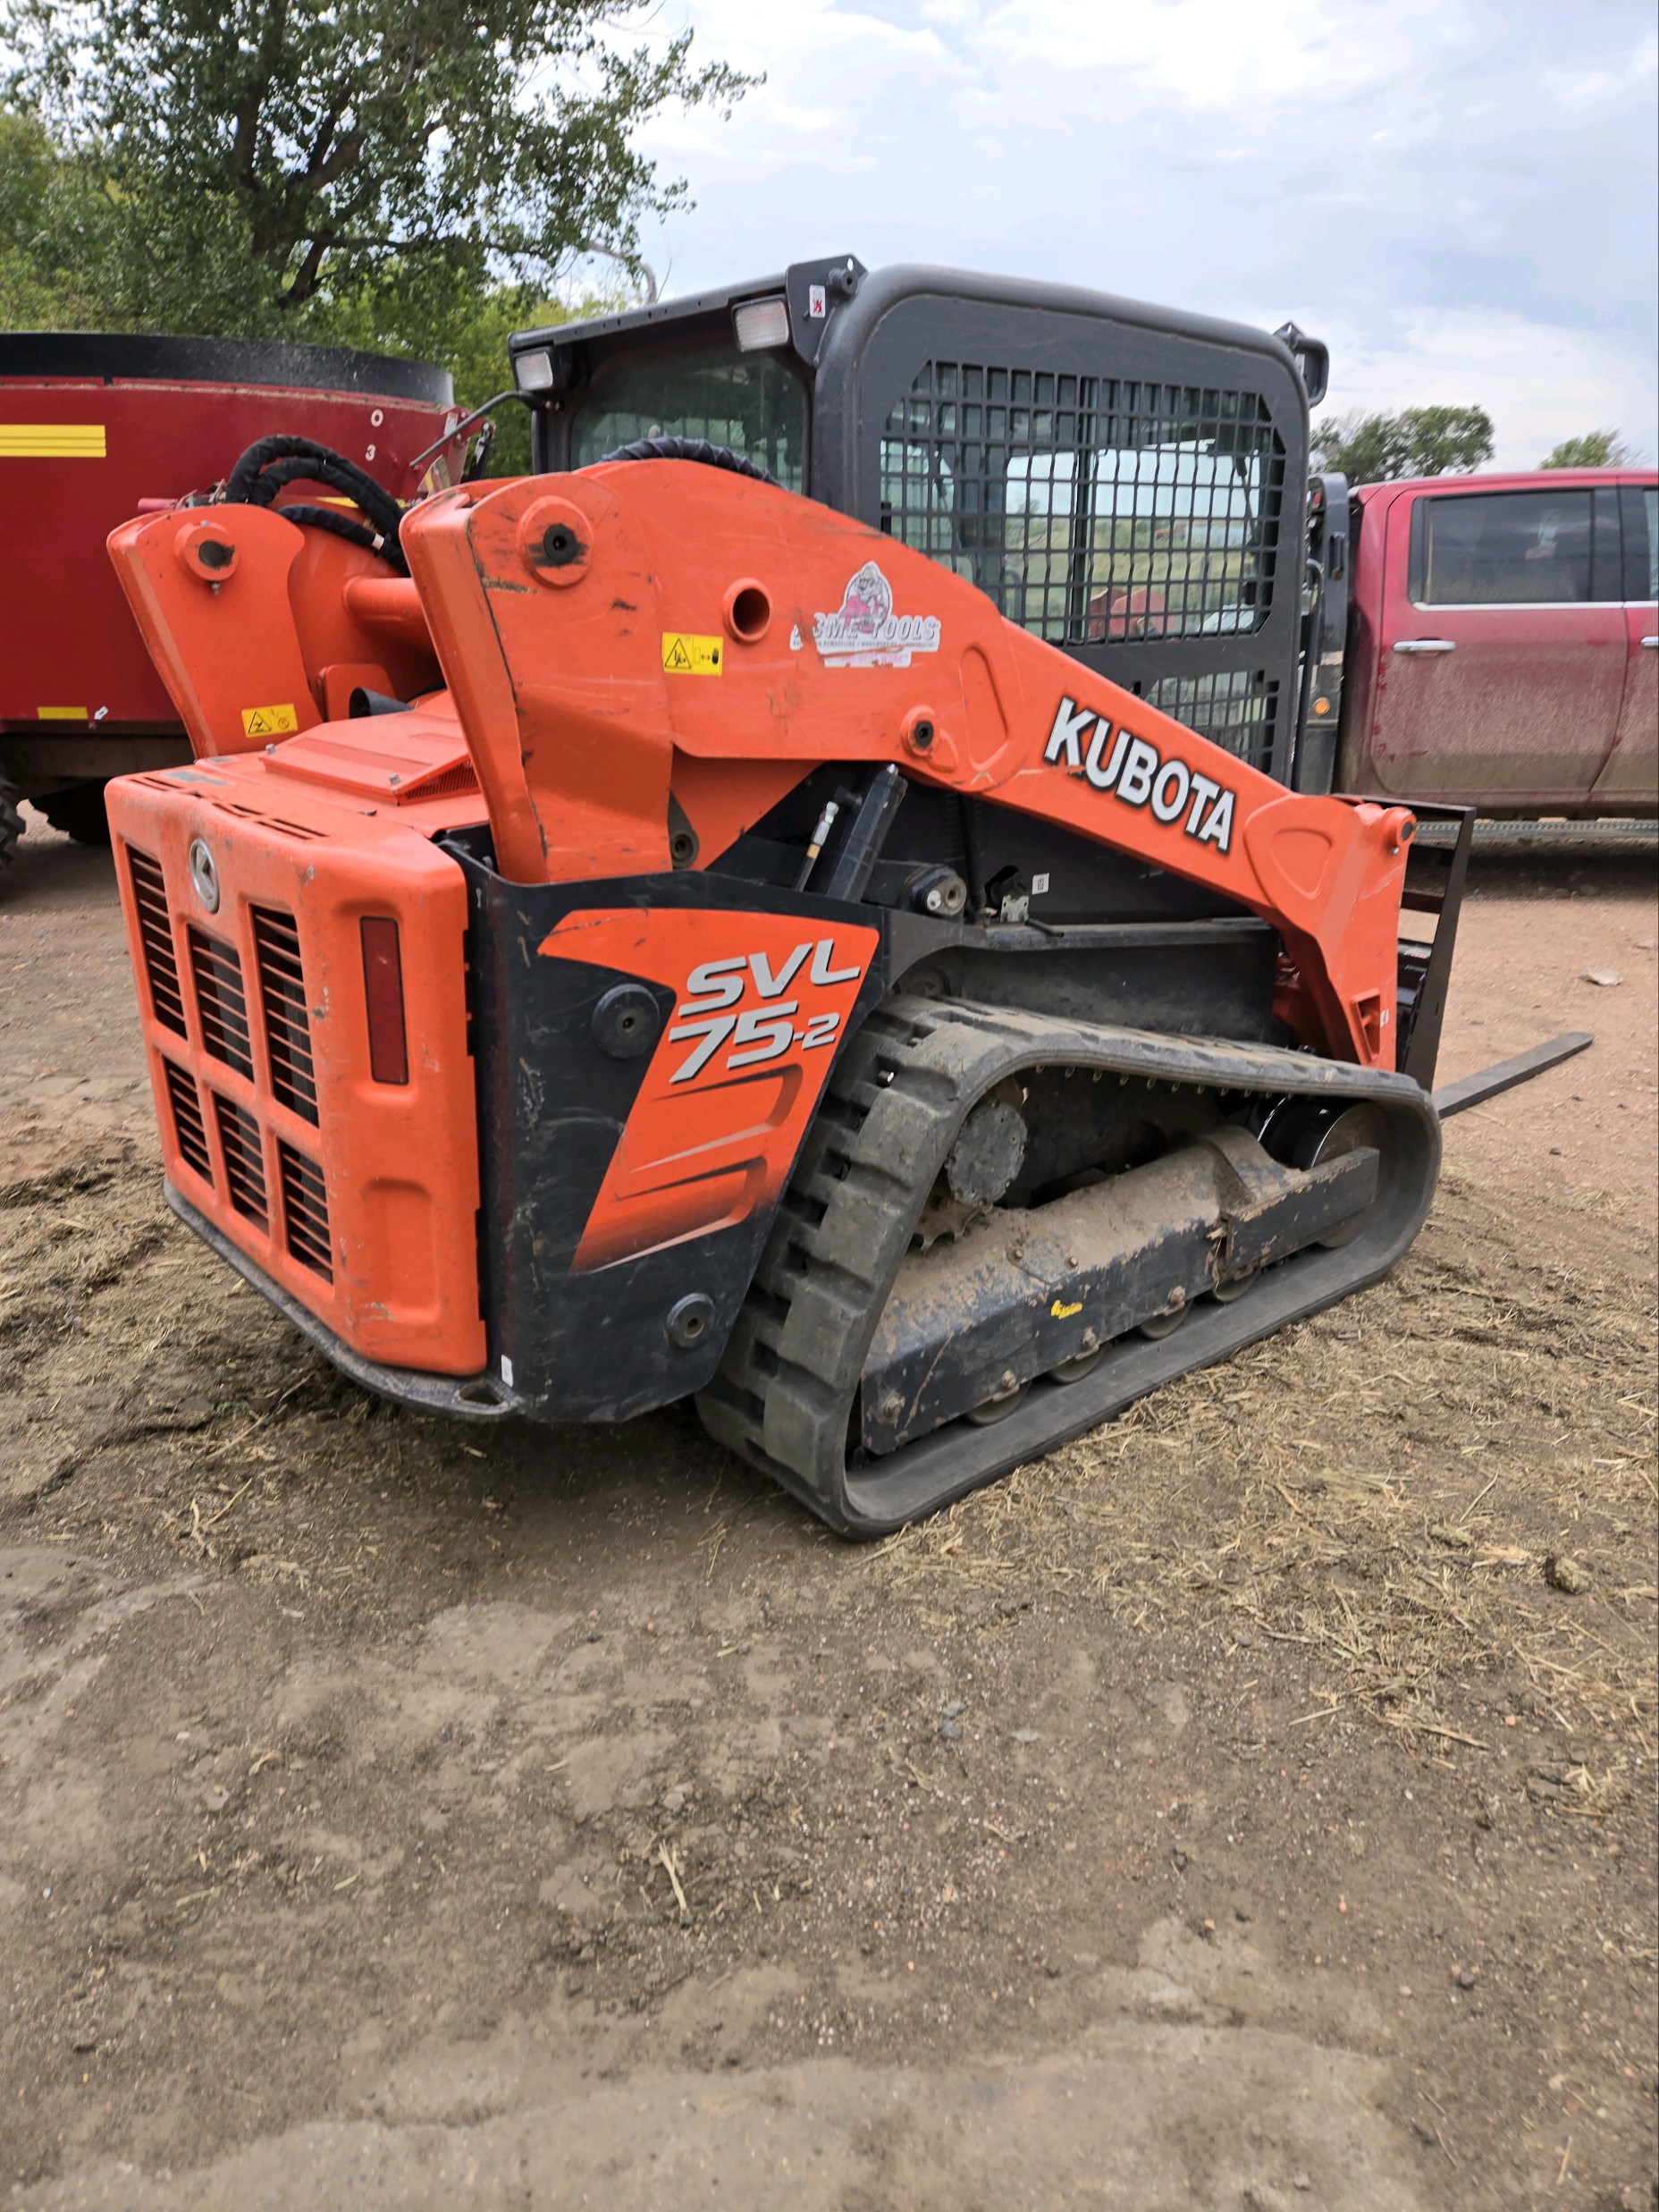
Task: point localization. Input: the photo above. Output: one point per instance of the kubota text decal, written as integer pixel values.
(1132, 770)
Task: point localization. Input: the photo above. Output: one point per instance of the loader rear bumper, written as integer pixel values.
(470, 1398)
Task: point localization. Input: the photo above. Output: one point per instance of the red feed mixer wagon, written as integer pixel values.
(95, 429)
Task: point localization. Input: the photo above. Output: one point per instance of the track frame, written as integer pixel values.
(785, 1392)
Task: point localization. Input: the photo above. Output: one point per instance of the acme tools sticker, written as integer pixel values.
(864, 632)
(269, 721)
(686, 655)
(1134, 771)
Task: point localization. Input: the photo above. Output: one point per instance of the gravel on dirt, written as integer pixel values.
(1250, 1804)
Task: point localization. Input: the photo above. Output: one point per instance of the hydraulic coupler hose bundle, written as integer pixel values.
(271, 463)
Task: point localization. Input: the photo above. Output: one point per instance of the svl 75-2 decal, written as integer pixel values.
(756, 1034)
(735, 1076)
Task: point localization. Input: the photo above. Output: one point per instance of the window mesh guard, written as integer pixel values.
(1237, 709)
(1095, 510)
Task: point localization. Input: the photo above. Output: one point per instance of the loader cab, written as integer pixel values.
(1127, 482)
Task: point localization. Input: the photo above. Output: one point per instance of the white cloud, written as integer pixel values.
(1458, 193)
(1539, 384)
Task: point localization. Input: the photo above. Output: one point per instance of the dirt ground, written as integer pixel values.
(1234, 1810)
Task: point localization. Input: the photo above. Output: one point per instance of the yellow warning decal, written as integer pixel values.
(1061, 1311)
(51, 441)
(61, 713)
(269, 721)
(686, 655)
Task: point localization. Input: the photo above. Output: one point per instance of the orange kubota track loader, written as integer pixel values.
(574, 978)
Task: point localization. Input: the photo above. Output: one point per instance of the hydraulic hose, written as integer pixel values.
(271, 463)
(689, 449)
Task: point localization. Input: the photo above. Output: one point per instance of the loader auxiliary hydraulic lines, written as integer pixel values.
(677, 942)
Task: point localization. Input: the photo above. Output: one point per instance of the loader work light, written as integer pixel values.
(762, 324)
(534, 372)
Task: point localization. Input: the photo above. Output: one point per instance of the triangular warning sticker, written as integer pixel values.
(269, 721)
(684, 653)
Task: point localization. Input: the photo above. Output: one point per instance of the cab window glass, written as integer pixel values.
(1506, 549)
(750, 402)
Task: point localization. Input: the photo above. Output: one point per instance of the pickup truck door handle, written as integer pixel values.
(1426, 645)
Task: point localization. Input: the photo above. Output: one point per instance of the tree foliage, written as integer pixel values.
(41, 288)
(1596, 449)
(1417, 442)
(251, 167)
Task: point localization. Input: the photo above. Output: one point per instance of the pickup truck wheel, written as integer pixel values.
(10, 823)
(78, 813)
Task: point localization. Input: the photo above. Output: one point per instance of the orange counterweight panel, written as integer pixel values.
(245, 898)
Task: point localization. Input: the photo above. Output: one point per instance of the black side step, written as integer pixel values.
(1456, 1098)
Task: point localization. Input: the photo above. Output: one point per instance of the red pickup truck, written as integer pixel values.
(1503, 643)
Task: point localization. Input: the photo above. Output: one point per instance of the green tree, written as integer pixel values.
(1596, 449)
(1417, 442)
(42, 210)
(464, 324)
(252, 167)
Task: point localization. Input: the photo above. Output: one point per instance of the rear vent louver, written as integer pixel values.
(187, 1127)
(221, 1002)
(287, 1026)
(305, 1209)
(244, 1160)
(456, 782)
(161, 969)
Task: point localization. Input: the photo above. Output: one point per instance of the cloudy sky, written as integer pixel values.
(1458, 197)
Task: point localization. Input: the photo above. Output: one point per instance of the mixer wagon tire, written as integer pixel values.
(78, 813)
(10, 823)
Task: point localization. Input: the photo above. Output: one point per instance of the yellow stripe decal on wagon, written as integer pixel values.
(51, 441)
(61, 713)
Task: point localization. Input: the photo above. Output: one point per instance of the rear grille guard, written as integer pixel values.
(220, 1001)
(190, 1130)
(287, 1024)
(160, 966)
(243, 1155)
(305, 1211)
(219, 1140)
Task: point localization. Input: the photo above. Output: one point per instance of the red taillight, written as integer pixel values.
(382, 984)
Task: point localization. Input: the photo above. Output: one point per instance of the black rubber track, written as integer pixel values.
(785, 1392)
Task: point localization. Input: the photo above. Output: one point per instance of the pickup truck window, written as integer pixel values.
(1483, 549)
(750, 402)
(1639, 505)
